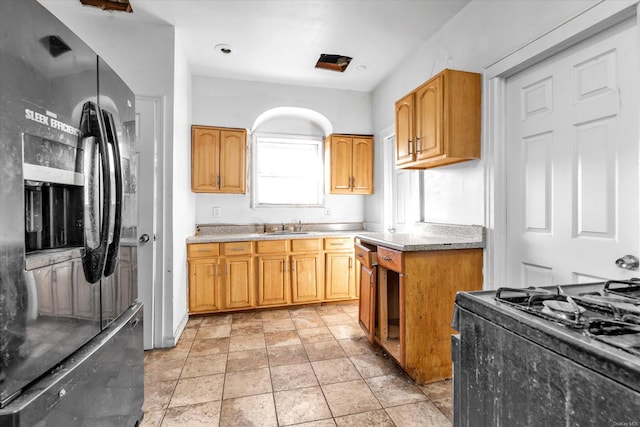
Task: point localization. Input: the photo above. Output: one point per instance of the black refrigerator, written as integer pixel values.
(71, 349)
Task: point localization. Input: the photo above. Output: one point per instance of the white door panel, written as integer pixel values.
(147, 132)
(572, 153)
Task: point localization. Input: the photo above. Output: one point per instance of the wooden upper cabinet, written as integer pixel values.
(429, 109)
(439, 122)
(349, 161)
(218, 160)
(233, 149)
(341, 161)
(404, 130)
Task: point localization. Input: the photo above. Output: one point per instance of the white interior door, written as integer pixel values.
(147, 133)
(402, 193)
(572, 154)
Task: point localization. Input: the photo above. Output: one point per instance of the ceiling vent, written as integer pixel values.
(333, 62)
(55, 45)
(118, 5)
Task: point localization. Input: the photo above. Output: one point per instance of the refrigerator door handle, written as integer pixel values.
(112, 139)
(96, 240)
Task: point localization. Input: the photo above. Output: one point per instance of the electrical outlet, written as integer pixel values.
(327, 212)
(216, 212)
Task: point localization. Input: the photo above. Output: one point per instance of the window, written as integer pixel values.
(288, 170)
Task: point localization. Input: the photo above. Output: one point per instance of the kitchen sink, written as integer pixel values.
(285, 232)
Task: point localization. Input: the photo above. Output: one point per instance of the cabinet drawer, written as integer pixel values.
(365, 255)
(271, 246)
(338, 243)
(202, 250)
(305, 245)
(391, 259)
(237, 248)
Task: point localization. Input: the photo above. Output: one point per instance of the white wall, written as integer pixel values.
(183, 204)
(232, 103)
(482, 32)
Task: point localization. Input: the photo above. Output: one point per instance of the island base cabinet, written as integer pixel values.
(415, 298)
(390, 331)
(367, 303)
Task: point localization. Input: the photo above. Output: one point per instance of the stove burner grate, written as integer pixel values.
(605, 316)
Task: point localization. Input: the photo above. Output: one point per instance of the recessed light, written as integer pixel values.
(224, 48)
(361, 67)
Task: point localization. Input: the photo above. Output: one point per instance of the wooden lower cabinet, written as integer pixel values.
(306, 277)
(269, 273)
(220, 283)
(340, 269)
(340, 276)
(238, 282)
(204, 287)
(273, 280)
(289, 271)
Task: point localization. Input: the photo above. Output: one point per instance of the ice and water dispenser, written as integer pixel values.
(53, 194)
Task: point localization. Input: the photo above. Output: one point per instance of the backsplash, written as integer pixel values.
(206, 229)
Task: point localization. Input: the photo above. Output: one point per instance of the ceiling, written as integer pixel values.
(279, 41)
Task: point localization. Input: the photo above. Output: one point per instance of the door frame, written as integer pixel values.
(387, 136)
(597, 18)
(389, 221)
(157, 240)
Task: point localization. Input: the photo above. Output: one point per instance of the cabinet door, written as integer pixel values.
(404, 130)
(340, 164)
(367, 307)
(205, 160)
(86, 296)
(429, 116)
(63, 289)
(306, 277)
(362, 166)
(273, 280)
(339, 276)
(233, 148)
(44, 287)
(238, 280)
(126, 285)
(204, 291)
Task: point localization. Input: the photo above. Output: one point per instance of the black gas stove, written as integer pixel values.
(557, 355)
(610, 312)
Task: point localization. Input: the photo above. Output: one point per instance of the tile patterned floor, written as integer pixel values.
(308, 366)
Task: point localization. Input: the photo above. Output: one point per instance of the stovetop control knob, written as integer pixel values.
(628, 262)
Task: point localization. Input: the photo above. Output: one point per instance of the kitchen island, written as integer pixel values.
(408, 284)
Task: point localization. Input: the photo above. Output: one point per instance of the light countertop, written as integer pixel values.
(409, 242)
(425, 237)
(237, 237)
